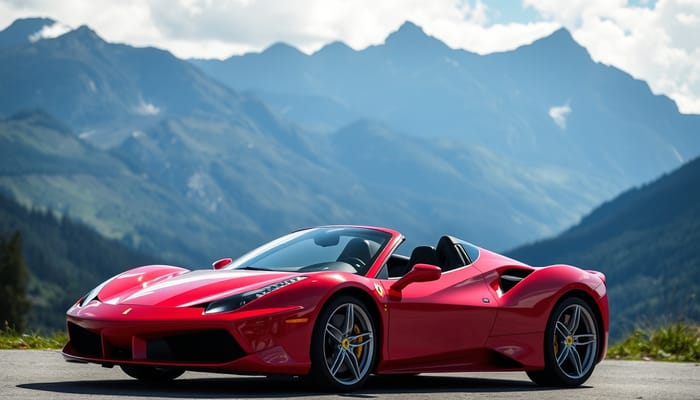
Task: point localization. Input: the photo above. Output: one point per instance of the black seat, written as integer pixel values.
(448, 255)
(419, 255)
(360, 249)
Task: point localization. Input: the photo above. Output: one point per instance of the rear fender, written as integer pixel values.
(526, 307)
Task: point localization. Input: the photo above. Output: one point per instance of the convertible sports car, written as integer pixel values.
(338, 303)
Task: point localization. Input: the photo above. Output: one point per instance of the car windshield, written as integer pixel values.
(318, 249)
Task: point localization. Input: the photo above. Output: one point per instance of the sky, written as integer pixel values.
(657, 41)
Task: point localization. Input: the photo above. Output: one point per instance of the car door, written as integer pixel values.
(441, 322)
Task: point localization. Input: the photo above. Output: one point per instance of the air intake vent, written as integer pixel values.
(84, 342)
(216, 346)
(511, 277)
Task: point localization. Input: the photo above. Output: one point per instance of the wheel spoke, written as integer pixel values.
(575, 318)
(366, 339)
(361, 336)
(339, 358)
(562, 329)
(575, 360)
(349, 319)
(351, 361)
(563, 353)
(334, 332)
(582, 340)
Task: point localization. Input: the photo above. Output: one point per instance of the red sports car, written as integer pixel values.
(338, 303)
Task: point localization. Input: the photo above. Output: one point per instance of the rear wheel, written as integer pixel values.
(343, 347)
(147, 373)
(570, 345)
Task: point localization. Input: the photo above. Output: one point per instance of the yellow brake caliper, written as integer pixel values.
(358, 349)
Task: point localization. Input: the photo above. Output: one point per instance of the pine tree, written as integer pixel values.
(14, 304)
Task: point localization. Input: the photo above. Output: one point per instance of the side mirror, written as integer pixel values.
(218, 264)
(419, 273)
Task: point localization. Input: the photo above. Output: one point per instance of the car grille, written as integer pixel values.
(199, 347)
(209, 346)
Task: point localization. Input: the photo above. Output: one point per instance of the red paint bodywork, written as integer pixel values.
(459, 322)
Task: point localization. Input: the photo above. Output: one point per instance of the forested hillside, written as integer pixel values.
(65, 259)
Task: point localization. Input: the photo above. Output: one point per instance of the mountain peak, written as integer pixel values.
(283, 50)
(411, 39)
(30, 24)
(409, 27)
(20, 31)
(407, 32)
(562, 33)
(559, 42)
(84, 35)
(562, 36)
(86, 31)
(334, 49)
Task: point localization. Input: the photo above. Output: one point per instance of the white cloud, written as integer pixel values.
(659, 43)
(49, 31)
(559, 114)
(145, 108)
(205, 28)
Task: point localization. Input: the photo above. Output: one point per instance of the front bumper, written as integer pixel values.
(261, 341)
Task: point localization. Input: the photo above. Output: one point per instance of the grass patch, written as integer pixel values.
(675, 342)
(11, 339)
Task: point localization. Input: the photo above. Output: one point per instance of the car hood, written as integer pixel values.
(192, 288)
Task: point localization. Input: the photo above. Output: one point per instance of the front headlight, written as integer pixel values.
(239, 300)
(92, 295)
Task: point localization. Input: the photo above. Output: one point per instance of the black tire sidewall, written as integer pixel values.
(147, 373)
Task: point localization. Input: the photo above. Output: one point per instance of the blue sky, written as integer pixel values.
(657, 41)
(512, 11)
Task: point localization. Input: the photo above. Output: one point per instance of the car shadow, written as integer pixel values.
(256, 387)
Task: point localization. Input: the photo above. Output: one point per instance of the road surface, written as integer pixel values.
(30, 374)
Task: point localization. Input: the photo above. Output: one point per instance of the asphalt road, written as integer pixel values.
(27, 374)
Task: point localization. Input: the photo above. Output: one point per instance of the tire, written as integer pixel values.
(571, 345)
(343, 345)
(147, 373)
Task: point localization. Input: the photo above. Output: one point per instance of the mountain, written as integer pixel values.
(187, 190)
(160, 155)
(547, 103)
(448, 186)
(105, 91)
(46, 166)
(147, 149)
(21, 31)
(208, 163)
(646, 242)
(65, 260)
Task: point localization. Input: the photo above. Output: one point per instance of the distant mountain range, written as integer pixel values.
(196, 160)
(225, 166)
(544, 104)
(646, 242)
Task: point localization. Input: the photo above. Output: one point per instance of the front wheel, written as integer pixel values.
(571, 345)
(343, 346)
(147, 373)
